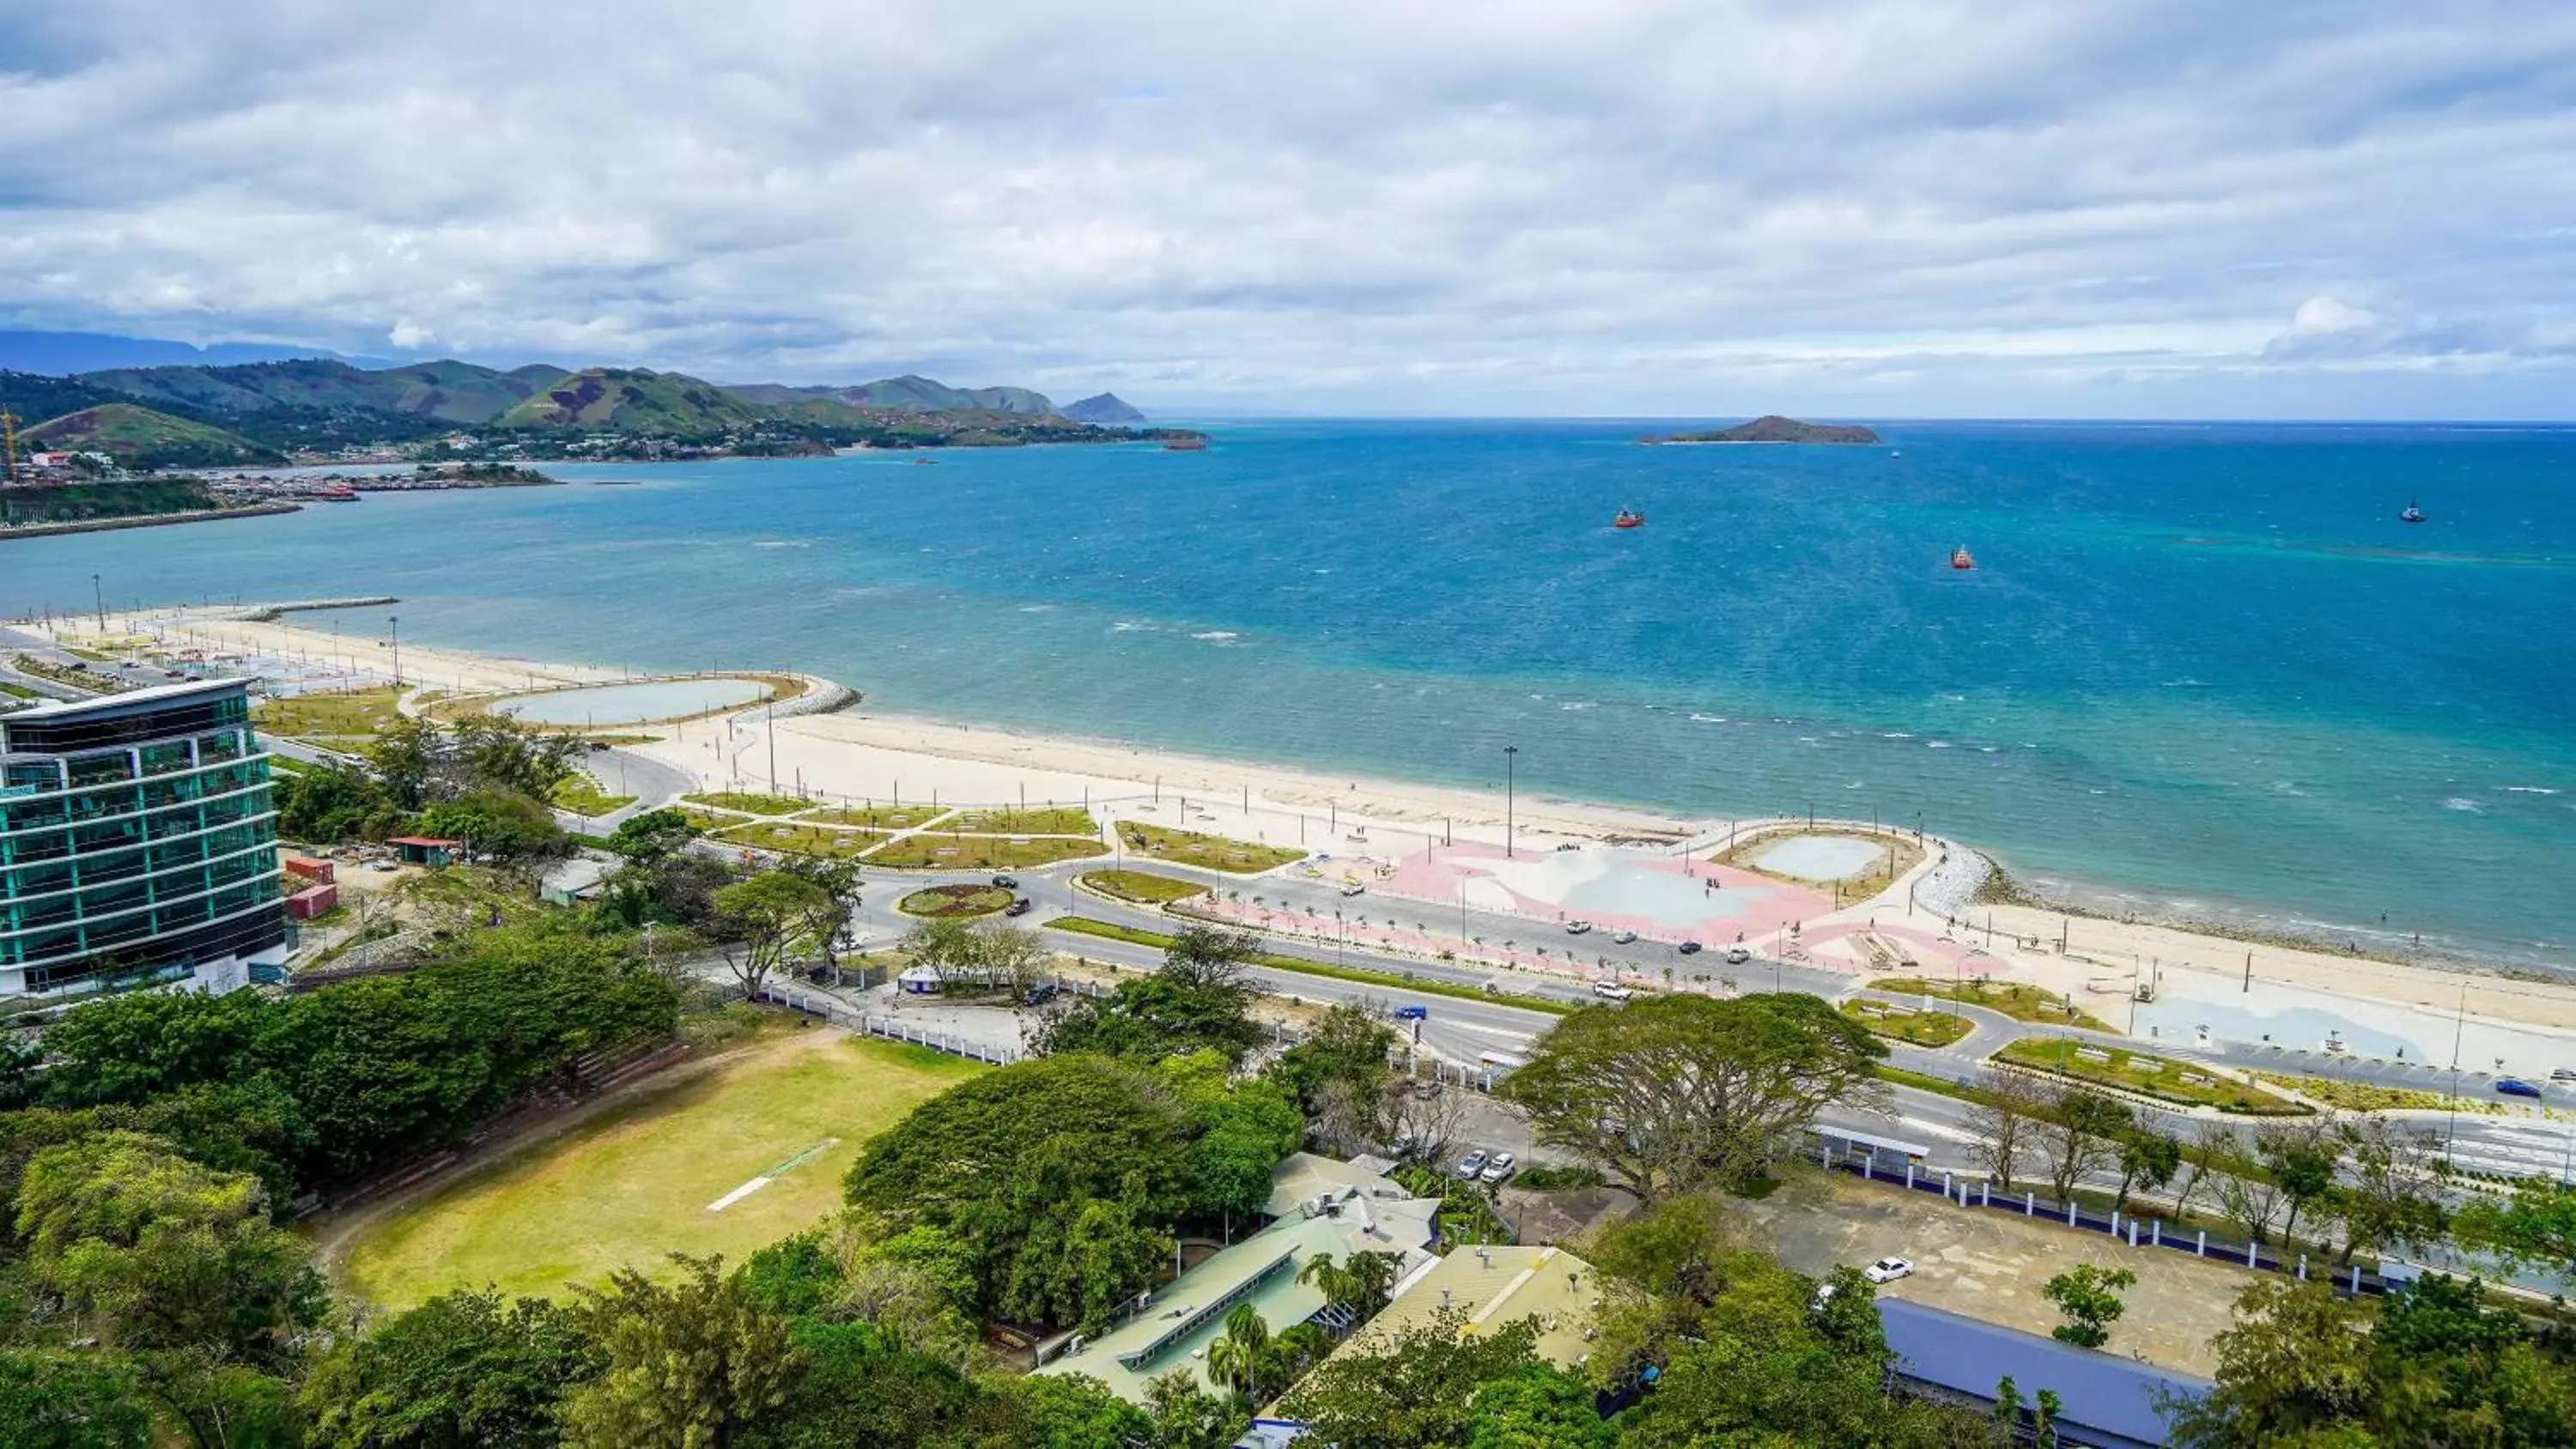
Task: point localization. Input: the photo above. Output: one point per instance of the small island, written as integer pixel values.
(1773, 428)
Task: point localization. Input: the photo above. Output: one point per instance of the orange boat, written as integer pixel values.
(1959, 559)
(1628, 518)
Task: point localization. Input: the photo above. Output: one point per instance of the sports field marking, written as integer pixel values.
(773, 1174)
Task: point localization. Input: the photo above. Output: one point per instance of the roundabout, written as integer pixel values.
(955, 902)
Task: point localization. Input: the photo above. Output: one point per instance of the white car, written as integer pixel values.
(1354, 889)
(1737, 956)
(1888, 1270)
(1624, 938)
(1611, 991)
(1497, 1167)
(1577, 928)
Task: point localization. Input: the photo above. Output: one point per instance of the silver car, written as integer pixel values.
(1497, 1167)
(1470, 1165)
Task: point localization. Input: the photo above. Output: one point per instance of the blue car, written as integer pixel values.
(2516, 1087)
(1412, 1013)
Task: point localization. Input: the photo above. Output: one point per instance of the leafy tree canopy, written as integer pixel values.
(1670, 1093)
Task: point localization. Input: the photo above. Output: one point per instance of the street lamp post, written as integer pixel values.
(1511, 758)
(99, 598)
(395, 622)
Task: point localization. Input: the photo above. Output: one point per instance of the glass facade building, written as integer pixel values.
(138, 841)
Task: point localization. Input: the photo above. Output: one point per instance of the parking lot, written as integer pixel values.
(1990, 1265)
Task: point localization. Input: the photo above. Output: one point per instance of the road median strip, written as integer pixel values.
(1085, 926)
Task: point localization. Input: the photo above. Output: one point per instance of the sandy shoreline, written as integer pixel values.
(873, 755)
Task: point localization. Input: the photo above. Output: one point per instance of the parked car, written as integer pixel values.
(1006, 882)
(1688, 948)
(1497, 1168)
(1354, 889)
(1611, 990)
(2563, 1074)
(1737, 955)
(1888, 1270)
(1624, 938)
(1577, 928)
(2516, 1087)
(1040, 994)
(1412, 1013)
(1019, 907)
(1471, 1164)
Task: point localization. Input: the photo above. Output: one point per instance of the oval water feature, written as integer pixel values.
(617, 704)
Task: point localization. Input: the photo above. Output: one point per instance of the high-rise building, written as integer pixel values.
(138, 843)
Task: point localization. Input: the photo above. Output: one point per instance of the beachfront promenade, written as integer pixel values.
(1434, 877)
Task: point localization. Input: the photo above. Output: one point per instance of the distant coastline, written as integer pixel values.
(1773, 428)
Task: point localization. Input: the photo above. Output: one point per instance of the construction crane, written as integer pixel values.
(9, 432)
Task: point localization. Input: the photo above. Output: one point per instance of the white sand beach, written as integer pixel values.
(860, 754)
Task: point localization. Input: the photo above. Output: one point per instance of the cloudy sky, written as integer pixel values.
(2255, 208)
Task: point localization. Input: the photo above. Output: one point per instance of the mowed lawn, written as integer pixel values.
(634, 1184)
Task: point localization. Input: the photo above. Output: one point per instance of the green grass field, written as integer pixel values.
(1143, 887)
(1209, 852)
(749, 803)
(949, 902)
(582, 795)
(1061, 820)
(800, 838)
(878, 817)
(2158, 1077)
(359, 714)
(2015, 999)
(634, 1184)
(1906, 1024)
(933, 850)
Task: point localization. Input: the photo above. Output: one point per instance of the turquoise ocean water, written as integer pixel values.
(2202, 668)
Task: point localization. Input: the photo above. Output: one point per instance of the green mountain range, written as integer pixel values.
(206, 414)
(630, 400)
(456, 392)
(908, 393)
(138, 437)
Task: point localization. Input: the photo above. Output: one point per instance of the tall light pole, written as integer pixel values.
(1511, 758)
(99, 597)
(395, 621)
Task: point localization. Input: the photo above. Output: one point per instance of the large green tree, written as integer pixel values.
(1670, 1093)
(1414, 1389)
(465, 1370)
(162, 1253)
(70, 1401)
(1057, 1174)
(2442, 1367)
(1199, 999)
(692, 1364)
(767, 918)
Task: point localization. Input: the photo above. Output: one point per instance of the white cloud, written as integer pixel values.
(1977, 205)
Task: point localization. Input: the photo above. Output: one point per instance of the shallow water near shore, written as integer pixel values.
(2200, 670)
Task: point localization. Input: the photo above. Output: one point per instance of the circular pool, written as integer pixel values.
(619, 704)
(1821, 857)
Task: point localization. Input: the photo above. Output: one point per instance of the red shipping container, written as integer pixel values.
(311, 869)
(304, 905)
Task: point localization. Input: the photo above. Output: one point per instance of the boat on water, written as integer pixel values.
(1628, 518)
(2412, 514)
(1192, 444)
(1959, 559)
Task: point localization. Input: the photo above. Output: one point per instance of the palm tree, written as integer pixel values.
(1360, 1282)
(1235, 1357)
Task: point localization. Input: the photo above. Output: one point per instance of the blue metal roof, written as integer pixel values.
(2115, 1397)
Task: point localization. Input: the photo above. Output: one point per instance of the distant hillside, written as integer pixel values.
(908, 393)
(455, 392)
(60, 354)
(1108, 407)
(138, 437)
(632, 400)
(1773, 428)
